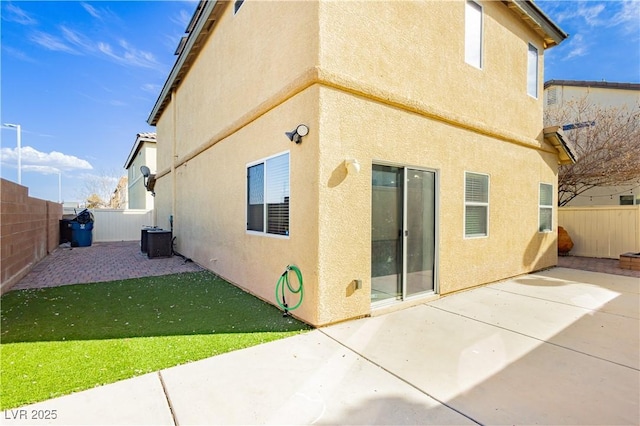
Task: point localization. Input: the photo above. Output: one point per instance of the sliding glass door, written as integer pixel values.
(402, 232)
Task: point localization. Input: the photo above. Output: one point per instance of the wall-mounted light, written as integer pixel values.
(352, 165)
(149, 179)
(297, 134)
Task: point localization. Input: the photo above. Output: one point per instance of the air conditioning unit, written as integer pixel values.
(158, 243)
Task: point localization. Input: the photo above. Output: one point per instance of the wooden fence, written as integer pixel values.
(604, 231)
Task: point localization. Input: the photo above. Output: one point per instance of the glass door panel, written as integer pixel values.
(420, 231)
(386, 233)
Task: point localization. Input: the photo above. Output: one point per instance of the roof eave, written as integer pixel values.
(555, 137)
(539, 21)
(200, 31)
(136, 147)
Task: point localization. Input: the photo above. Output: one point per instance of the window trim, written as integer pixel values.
(481, 52)
(246, 198)
(537, 77)
(475, 203)
(544, 206)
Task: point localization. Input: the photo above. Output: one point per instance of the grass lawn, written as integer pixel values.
(60, 340)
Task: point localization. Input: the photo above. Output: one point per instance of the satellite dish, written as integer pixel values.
(145, 171)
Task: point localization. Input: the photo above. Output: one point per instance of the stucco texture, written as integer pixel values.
(373, 81)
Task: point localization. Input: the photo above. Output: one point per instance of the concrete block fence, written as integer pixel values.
(29, 231)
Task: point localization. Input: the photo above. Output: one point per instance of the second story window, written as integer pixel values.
(532, 71)
(237, 5)
(473, 34)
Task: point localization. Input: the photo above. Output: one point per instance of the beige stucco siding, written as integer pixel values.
(233, 76)
(210, 217)
(380, 82)
(391, 135)
(416, 50)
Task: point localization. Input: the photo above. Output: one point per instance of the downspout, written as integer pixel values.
(174, 157)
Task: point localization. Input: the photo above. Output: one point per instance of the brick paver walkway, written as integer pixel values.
(122, 260)
(100, 262)
(607, 266)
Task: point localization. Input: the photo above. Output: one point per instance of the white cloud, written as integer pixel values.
(76, 38)
(16, 14)
(91, 10)
(31, 157)
(151, 88)
(51, 42)
(577, 47)
(182, 19)
(18, 54)
(628, 16)
(129, 55)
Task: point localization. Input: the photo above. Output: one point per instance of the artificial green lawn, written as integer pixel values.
(64, 339)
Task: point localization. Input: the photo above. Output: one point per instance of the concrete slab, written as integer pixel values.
(306, 379)
(137, 401)
(612, 337)
(605, 292)
(492, 374)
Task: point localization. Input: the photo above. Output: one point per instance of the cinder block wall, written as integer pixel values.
(29, 231)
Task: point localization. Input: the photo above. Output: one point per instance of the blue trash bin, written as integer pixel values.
(81, 234)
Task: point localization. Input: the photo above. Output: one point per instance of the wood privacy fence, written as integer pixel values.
(118, 224)
(605, 231)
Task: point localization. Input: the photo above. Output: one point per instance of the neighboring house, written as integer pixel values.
(425, 169)
(561, 93)
(143, 153)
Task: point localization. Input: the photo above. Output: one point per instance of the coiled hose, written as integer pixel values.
(280, 288)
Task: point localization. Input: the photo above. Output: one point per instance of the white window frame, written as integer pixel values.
(471, 34)
(264, 212)
(475, 203)
(544, 207)
(533, 85)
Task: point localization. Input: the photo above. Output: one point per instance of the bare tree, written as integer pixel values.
(98, 189)
(95, 202)
(118, 198)
(605, 142)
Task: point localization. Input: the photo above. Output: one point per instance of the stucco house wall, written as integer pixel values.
(377, 82)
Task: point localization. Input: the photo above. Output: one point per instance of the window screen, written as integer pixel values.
(546, 208)
(476, 200)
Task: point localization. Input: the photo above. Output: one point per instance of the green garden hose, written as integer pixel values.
(284, 279)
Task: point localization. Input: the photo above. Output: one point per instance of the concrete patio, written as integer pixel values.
(560, 346)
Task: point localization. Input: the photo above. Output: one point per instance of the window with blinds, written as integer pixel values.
(476, 205)
(545, 207)
(268, 196)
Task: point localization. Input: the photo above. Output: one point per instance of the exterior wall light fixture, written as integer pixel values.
(297, 134)
(352, 165)
(149, 179)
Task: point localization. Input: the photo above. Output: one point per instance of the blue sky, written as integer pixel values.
(82, 77)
